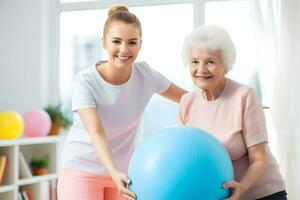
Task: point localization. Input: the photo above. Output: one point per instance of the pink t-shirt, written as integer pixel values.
(237, 120)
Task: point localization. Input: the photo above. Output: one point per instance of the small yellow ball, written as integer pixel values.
(11, 125)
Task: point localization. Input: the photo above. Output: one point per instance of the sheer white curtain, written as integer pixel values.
(287, 95)
(277, 27)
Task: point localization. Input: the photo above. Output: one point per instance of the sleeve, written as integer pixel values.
(182, 111)
(82, 96)
(161, 83)
(254, 124)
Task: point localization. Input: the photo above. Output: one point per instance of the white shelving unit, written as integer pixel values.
(31, 148)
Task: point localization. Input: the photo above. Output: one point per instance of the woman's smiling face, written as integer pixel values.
(206, 68)
(122, 43)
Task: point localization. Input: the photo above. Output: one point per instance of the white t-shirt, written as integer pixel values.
(120, 108)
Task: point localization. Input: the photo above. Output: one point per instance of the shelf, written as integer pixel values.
(7, 188)
(37, 179)
(20, 153)
(30, 140)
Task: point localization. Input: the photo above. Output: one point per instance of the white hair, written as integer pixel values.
(213, 38)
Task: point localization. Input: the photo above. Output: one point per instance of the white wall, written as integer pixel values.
(24, 58)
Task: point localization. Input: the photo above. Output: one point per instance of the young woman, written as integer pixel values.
(231, 112)
(108, 101)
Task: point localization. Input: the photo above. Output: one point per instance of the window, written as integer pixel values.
(74, 1)
(81, 32)
(164, 29)
(80, 40)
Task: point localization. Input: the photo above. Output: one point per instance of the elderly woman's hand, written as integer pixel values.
(236, 189)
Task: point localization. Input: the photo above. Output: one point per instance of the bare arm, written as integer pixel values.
(174, 93)
(94, 127)
(258, 162)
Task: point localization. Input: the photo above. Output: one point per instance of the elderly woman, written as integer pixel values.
(231, 112)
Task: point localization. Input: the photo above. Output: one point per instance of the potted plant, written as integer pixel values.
(58, 118)
(40, 166)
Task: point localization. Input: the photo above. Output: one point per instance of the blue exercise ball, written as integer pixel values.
(180, 163)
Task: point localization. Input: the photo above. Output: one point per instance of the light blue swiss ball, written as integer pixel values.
(180, 163)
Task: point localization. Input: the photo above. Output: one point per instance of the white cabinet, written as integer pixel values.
(39, 186)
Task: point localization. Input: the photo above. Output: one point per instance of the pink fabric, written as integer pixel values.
(236, 118)
(78, 185)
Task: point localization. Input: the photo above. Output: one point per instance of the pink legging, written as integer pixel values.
(78, 185)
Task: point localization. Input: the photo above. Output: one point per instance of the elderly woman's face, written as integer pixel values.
(206, 68)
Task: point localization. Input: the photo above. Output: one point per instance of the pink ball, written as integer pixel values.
(36, 123)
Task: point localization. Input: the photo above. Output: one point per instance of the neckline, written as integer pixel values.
(217, 99)
(100, 78)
